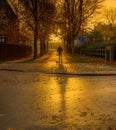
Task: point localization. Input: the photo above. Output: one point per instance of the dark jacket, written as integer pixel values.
(59, 50)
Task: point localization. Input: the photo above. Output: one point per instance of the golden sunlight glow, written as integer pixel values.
(56, 38)
(53, 37)
(100, 18)
(110, 3)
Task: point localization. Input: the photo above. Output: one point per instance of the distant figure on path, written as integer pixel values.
(59, 51)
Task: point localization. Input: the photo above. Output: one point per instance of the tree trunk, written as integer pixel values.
(72, 44)
(35, 30)
(47, 47)
(72, 41)
(68, 47)
(42, 47)
(35, 43)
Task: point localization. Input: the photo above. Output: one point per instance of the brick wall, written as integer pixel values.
(9, 26)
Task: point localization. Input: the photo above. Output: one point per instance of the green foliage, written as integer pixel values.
(94, 37)
(113, 39)
(93, 40)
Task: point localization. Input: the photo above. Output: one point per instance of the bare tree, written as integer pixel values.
(45, 23)
(110, 15)
(76, 12)
(38, 15)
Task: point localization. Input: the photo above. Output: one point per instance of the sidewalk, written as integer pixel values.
(48, 64)
(80, 68)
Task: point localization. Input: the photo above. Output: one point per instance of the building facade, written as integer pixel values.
(9, 25)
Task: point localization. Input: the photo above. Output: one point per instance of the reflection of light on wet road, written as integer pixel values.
(59, 100)
(77, 99)
(61, 96)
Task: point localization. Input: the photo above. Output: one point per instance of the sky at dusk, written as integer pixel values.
(110, 3)
(107, 4)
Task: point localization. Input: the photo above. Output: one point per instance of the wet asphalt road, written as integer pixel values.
(38, 101)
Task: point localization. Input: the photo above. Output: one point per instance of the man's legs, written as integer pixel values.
(60, 58)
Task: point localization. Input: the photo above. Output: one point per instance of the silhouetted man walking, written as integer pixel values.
(59, 51)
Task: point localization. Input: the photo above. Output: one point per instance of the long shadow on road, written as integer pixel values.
(62, 83)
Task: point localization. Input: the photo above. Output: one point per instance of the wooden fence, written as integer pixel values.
(92, 52)
(9, 52)
(108, 53)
